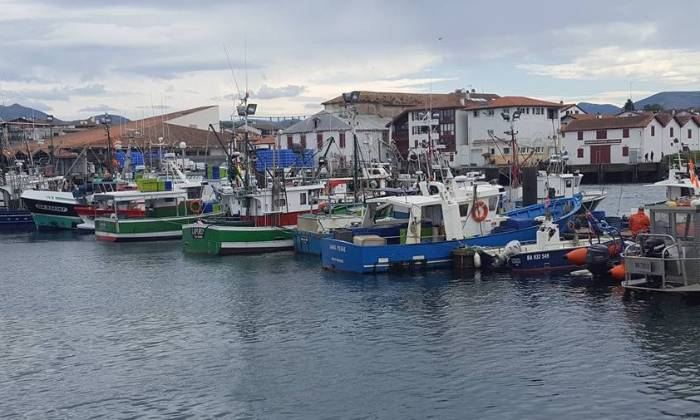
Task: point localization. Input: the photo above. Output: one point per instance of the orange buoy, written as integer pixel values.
(618, 272)
(614, 249)
(480, 211)
(577, 256)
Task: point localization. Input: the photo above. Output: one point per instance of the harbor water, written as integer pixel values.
(144, 330)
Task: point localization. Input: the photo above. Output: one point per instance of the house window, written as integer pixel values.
(476, 113)
(341, 140)
(625, 133)
(579, 152)
(290, 142)
(319, 141)
(690, 133)
(302, 198)
(625, 151)
(490, 112)
(653, 130)
(601, 134)
(303, 141)
(448, 129)
(580, 135)
(506, 150)
(671, 131)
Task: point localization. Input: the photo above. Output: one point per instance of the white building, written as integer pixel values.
(570, 110)
(486, 141)
(316, 132)
(199, 118)
(629, 139)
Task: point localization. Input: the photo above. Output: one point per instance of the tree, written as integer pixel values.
(629, 106)
(653, 107)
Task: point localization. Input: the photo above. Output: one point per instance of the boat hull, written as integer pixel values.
(137, 230)
(16, 220)
(542, 261)
(309, 242)
(346, 256)
(52, 210)
(229, 239)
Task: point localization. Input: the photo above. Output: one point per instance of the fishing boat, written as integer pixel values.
(667, 259)
(436, 225)
(258, 220)
(549, 252)
(262, 202)
(14, 216)
(151, 216)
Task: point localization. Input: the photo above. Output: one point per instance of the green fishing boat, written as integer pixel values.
(164, 214)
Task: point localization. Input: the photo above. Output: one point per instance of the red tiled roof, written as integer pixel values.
(600, 123)
(682, 119)
(513, 101)
(148, 129)
(413, 99)
(664, 118)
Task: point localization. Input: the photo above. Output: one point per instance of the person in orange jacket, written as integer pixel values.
(639, 222)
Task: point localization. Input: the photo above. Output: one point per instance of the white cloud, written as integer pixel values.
(672, 66)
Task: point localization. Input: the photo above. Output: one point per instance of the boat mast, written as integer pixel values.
(351, 98)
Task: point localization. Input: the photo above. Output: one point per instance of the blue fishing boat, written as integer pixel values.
(436, 226)
(16, 220)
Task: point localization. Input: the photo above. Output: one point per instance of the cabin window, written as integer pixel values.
(341, 140)
(625, 151)
(690, 133)
(625, 133)
(506, 150)
(302, 198)
(280, 202)
(653, 130)
(579, 152)
(464, 210)
(580, 135)
(290, 142)
(661, 223)
(601, 134)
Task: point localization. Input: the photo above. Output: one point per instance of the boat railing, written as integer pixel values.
(671, 264)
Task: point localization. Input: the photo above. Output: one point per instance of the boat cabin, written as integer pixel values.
(668, 257)
(153, 204)
(557, 185)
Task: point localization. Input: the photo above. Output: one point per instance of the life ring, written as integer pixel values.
(480, 211)
(195, 206)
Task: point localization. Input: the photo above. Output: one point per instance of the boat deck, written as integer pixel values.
(640, 285)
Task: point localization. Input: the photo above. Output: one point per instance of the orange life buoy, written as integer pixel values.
(480, 211)
(195, 206)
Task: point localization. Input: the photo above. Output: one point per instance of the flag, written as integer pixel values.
(693, 177)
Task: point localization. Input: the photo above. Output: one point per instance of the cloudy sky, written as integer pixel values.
(75, 58)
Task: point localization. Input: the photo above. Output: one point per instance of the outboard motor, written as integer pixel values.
(653, 247)
(597, 258)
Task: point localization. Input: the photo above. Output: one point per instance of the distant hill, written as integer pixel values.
(18, 111)
(603, 109)
(671, 100)
(116, 119)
